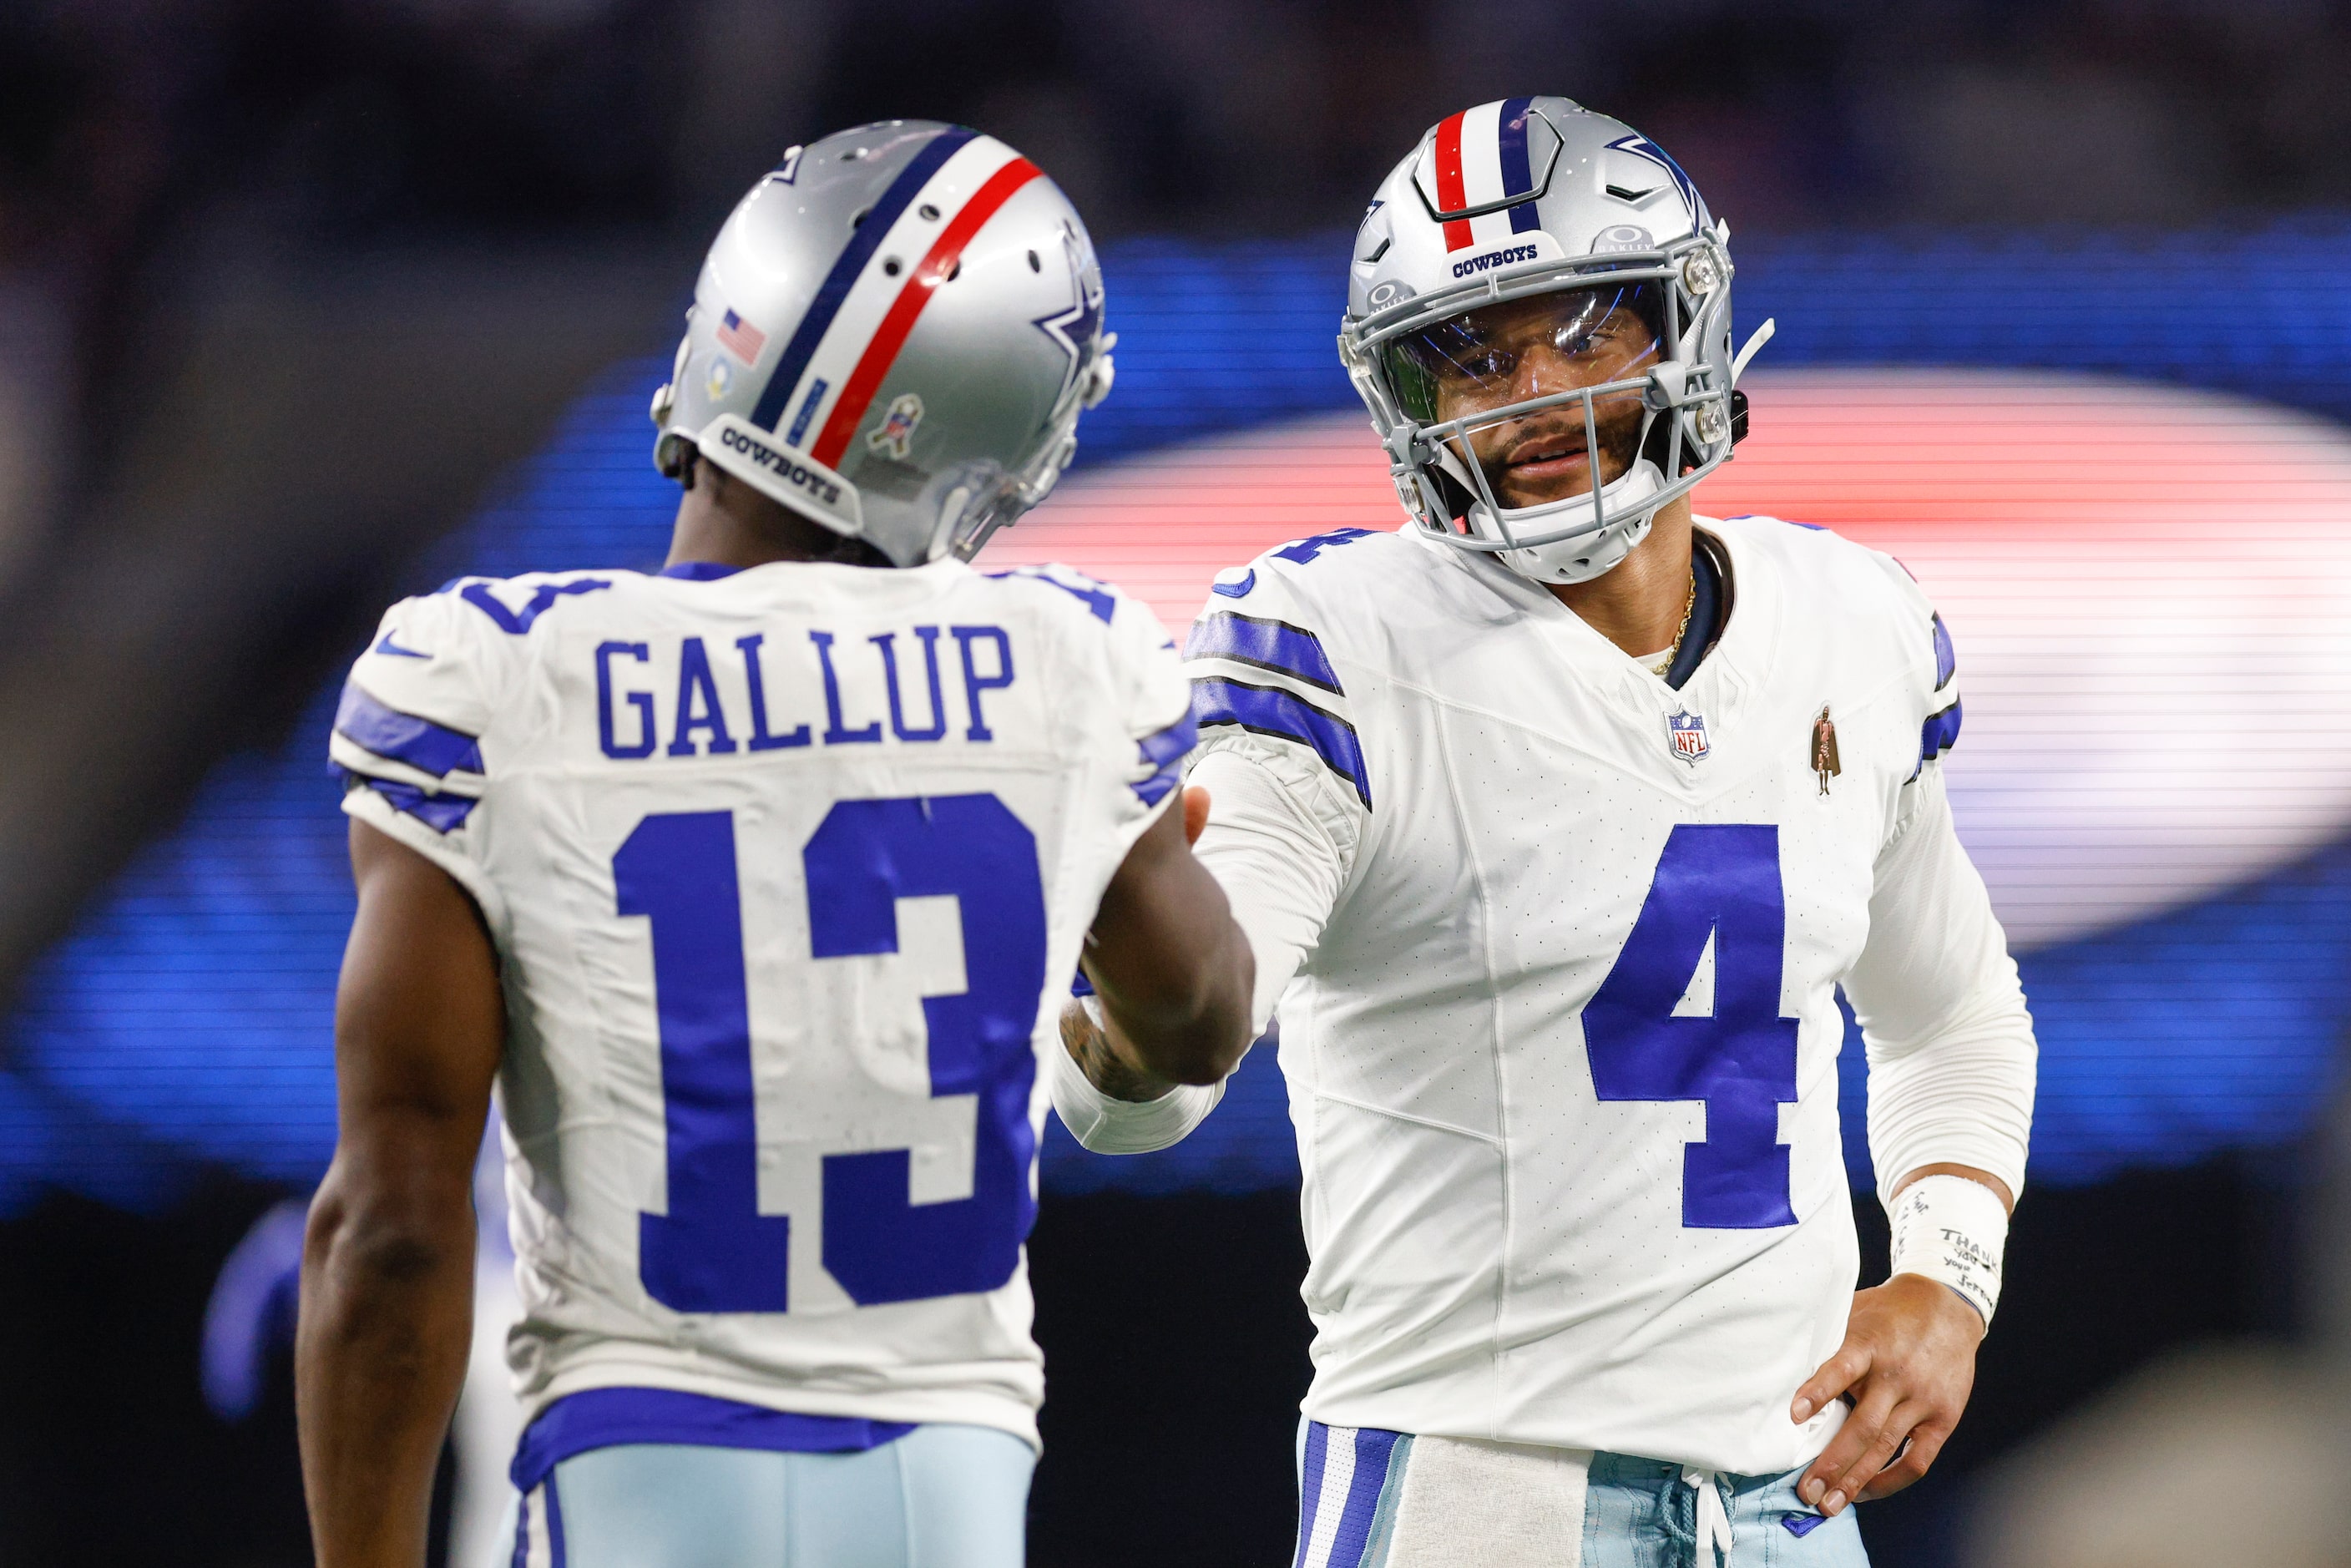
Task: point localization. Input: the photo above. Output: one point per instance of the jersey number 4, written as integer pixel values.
(714, 1251)
(1715, 887)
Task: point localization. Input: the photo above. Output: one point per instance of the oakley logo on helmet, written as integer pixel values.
(1620, 237)
(1509, 256)
(1393, 291)
(819, 486)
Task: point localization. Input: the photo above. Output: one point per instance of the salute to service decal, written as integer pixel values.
(1824, 748)
(897, 427)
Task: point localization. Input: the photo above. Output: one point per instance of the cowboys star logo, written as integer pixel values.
(1076, 331)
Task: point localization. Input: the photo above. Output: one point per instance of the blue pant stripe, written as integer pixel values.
(554, 1524)
(1372, 1449)
(1309, 1486)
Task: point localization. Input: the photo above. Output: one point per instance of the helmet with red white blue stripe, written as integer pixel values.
(1539, 320)
(893, 334)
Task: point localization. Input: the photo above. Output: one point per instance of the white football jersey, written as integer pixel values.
(788, 870)
(1562, 1037)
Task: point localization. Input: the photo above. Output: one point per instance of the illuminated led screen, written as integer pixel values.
(2144, 570)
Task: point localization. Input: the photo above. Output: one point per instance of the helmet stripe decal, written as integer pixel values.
(1517, 173)
(857, 392)
(1450, 196)
(863, 241)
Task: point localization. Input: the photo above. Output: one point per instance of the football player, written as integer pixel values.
(752, 881)
(1557, 820)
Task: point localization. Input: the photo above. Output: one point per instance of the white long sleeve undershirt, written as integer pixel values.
(1951, 1053)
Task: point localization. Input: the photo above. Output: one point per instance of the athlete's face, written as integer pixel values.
(1524, 349)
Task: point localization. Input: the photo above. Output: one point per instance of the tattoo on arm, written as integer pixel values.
(1089, 1045)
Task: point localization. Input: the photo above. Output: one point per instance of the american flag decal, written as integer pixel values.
(741, 339)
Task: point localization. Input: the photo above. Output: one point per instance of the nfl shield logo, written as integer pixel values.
(1685, 734)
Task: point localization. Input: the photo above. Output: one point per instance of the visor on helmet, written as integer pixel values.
(1476, 372)
(1519, 349)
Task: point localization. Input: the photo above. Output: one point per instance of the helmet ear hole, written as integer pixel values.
(1738, 416)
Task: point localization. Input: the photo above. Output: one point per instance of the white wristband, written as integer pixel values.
(1953, 1230)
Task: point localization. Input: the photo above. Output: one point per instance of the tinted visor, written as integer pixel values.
(1508, 352)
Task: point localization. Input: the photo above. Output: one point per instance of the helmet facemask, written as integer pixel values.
(1499, 401)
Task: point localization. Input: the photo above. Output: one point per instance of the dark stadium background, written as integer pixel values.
(301, 301)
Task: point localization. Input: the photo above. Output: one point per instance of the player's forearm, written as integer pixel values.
(1105, 1066)
(1191, 1025)
(380, 1355)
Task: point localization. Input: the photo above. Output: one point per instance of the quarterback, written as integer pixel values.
(753, 882)
(1557, 820)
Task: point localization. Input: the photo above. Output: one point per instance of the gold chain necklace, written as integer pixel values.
(1665, 666)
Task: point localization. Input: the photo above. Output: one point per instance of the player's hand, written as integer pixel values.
(1196, 815)
(1907, 1365)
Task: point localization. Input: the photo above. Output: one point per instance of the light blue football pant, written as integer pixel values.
(939, 1496)
(1638, 1513)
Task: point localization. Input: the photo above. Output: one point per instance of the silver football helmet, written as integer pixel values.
(1539, 319)
(893, 334)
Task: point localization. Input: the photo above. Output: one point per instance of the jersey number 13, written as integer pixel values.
(714, 1251)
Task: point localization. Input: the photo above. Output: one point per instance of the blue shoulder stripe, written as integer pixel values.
(1267, 710)
(439, 812)
(1947, 658)
(1165, 752)
(516, 622)
(1938, 734)
(1093, 595)
(434, 748)
(1268, 644)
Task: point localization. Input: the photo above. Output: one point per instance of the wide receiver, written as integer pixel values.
(753, 882)
(1556, 821)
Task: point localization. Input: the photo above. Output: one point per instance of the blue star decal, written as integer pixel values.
(1075, 330)
(1641, 146)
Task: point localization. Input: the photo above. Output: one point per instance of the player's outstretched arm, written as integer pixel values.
(1171, 968)
(388, 1264)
